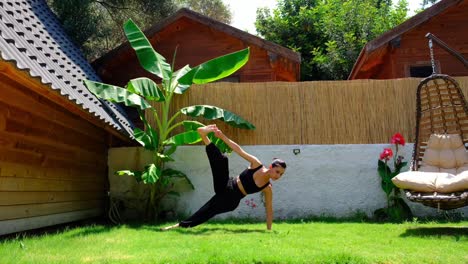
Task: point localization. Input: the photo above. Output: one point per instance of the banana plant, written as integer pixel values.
(159, 137)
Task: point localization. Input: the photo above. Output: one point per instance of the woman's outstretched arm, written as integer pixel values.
(268, 192)
(254, 162)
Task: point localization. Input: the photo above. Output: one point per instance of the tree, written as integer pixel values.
(159, 137)
(95, 26)
(427, 3)
(348, 26)
(329, 34)
(215, 9)
(292, 25)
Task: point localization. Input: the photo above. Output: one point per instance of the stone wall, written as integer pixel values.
(321, 180)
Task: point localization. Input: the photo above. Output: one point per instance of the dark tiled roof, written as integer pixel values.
(33, 39)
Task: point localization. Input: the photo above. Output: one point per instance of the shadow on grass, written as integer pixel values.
(92, 230)
(204, 230)
(199, 230)
(456, 232)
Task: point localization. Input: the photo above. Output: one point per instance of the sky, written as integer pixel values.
(244, 11)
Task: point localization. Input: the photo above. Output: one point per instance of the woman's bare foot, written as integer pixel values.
(169, 227)
(203, 131)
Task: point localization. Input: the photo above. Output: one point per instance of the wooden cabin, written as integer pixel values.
(54, 134)
(404, 51)
(199, 38)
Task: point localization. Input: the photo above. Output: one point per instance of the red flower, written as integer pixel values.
(386, 154)
(398, 139)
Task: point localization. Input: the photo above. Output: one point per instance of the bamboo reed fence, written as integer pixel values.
(323, 112)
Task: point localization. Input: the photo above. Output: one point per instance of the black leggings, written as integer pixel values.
(227, 194)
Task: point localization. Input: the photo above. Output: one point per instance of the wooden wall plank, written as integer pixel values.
(11, 154)
(15, 155)
(52, 147)
(31, 184)
(45, 130)
(20, 97)
(25, 198)
(17, 225)
(31, 210)
(10, 169)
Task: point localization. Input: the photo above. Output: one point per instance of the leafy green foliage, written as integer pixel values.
(397, 210)
(147, 88)
(215, 9)
(136, 174)
(116, 94)
(162, 141)
(190, 137)
(149, 175)
(292, 25)
(146, 140)
(149, 59)
(329, 34)
(96, 26)
(387, 175)
(217, 68)
(212, 112)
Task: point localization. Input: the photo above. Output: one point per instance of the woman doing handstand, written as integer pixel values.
(228, 190)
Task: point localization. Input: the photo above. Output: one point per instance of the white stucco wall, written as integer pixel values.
(322, 180)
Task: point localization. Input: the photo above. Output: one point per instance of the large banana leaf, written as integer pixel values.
(180, 88)
(144, 139)
(146, 88)
(170, 150)
(151, 174)
(164, 157)
(217, 68)
(171, 173)
(190, 137)
(116, 94)
(190, 125)
(149, 131)
(136, 174)
(212, 112)
(149, 59)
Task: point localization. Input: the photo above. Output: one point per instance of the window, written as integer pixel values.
(420, 71)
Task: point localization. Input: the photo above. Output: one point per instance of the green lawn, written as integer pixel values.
(227, 242)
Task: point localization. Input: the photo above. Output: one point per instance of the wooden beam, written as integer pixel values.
(446, 47)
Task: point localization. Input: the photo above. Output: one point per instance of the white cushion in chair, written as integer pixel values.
(431, 181)
(444, 167)
(417, 181)
(445, 151)
(452, 183)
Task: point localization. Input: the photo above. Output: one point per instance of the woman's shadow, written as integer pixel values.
(205, 230)
(458, 232)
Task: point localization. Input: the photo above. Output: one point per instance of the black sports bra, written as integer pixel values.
(247, 180)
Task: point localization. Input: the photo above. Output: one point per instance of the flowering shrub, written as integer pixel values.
(396, 209)
(250, 203)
